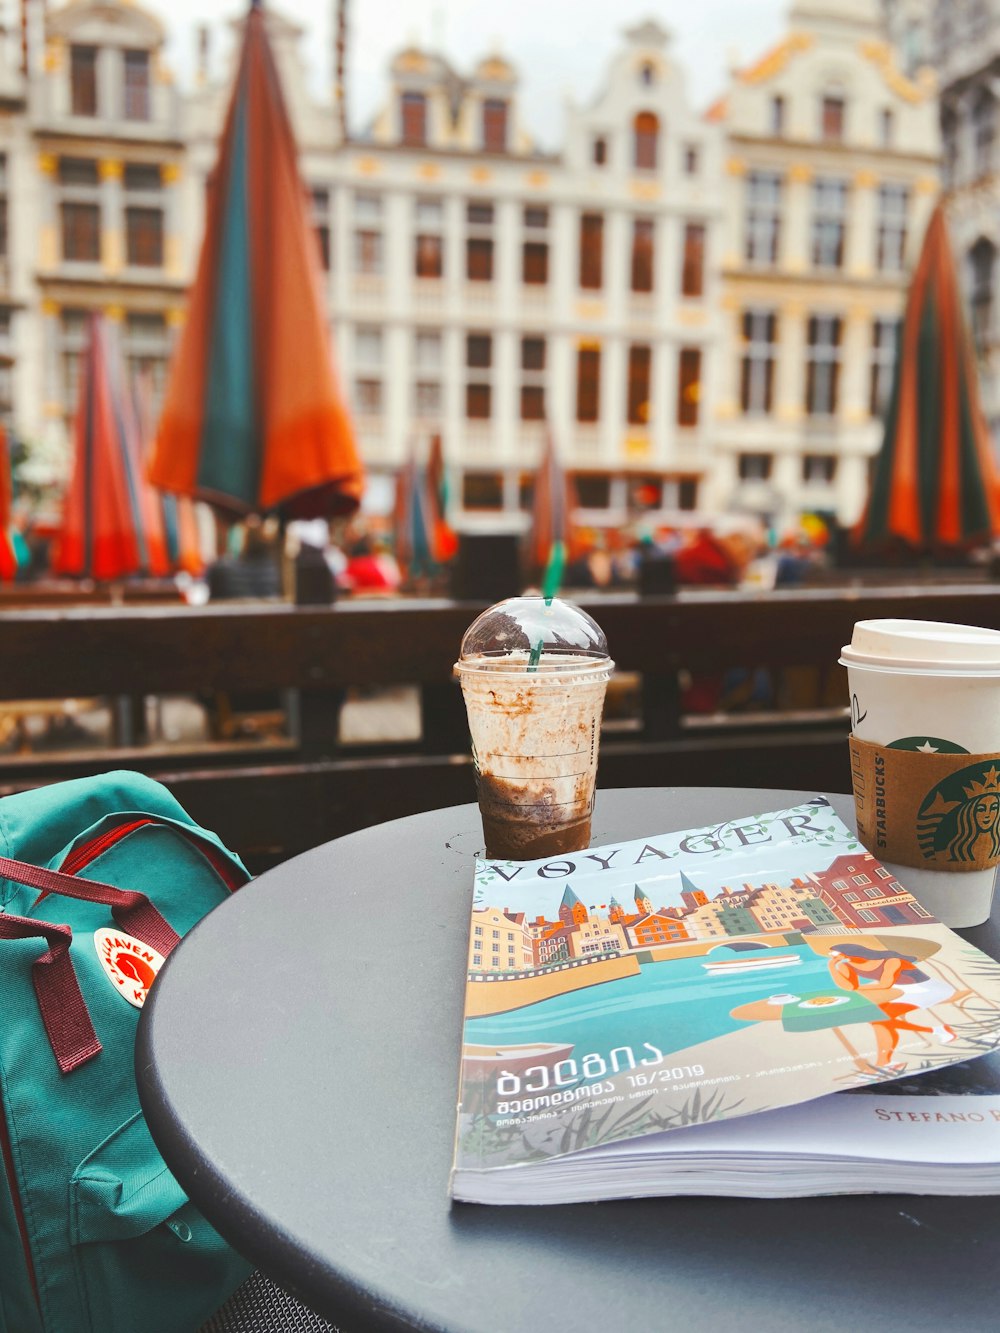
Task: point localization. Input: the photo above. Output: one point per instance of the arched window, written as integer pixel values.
(647, 74)
(983, 129)
(982, 263)
(647, 130)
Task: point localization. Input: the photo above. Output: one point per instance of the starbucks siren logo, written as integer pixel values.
(960, 817)
(927, 745)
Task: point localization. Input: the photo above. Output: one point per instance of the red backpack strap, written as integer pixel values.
(132, 911)
(60, 1000)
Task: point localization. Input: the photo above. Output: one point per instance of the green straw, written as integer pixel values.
(551, 580)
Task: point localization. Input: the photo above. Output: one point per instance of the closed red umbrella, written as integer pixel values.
(8, 555)
(935, 483)
(99, 534)
(254, 419)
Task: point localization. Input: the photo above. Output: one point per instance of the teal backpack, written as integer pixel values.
(95, 1233)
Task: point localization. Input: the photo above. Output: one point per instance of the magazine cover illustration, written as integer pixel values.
(698, 976)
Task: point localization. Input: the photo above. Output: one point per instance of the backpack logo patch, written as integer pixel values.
(130, 965)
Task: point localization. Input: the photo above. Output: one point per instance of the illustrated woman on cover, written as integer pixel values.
(896, 984)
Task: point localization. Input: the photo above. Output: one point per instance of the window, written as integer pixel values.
(320, 200)
(73, 337)
(588, 383)
(427, 398)
(367, 209)
(593, 491)
(591, 251)
(691, 160)
(646, 130)
(78, 171)
(368, 348)
(777, 116)
(136, 85)
(852, 897)
(983, 121)
(479, 215)
(479, 259)
(483, 491)
(428, 214)
(144, 237)
(866, 915)
(81, 232)
(639, 361)
(693, 267)
(883, 873)
(642, 255)
(763, 216)
(83, 80)
(427, 352)
(882, 365)
(368, 397)
(982, 261)
(760, 337)
(832, 118)
(949, 147)
(494, 125)
(413, 119)
(535, 263)
(755, 467)
(819, 468)
(829, 220)
(3, 213)
(886, 128)
(647, 74)
(822, 364)
(477, 402)
(478, 392)
(368, 252)
(532, 353)
(532, 402)
(142, 176)
(146, 349)
(599, 151)
(479, 351)
(688, 386)
(428, 259)
(893, 204)
(532, 381)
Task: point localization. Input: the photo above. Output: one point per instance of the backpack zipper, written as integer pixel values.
(90, 851)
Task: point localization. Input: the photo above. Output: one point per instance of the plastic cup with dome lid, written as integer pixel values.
(534, 672)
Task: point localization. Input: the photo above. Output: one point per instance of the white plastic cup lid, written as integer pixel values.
(924, 646)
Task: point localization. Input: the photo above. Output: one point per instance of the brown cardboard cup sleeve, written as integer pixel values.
(936, 811)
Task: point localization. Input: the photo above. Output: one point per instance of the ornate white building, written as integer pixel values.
(831, 174)
(698, 307)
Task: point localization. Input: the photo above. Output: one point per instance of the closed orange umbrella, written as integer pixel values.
(99, 535)
(935, 484)
(8, 555)
(254, 419)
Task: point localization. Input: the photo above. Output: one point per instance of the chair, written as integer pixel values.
(258, 1306)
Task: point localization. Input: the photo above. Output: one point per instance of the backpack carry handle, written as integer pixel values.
(131, 911)
(60, 1000)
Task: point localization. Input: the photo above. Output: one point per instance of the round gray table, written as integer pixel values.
(298, 1061)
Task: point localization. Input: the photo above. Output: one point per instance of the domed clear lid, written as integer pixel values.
(535, 625)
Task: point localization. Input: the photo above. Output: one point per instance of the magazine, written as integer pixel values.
(754, 1008)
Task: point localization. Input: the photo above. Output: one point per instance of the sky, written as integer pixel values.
(560, 47)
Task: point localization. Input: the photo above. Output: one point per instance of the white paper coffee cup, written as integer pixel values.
(934, 686)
